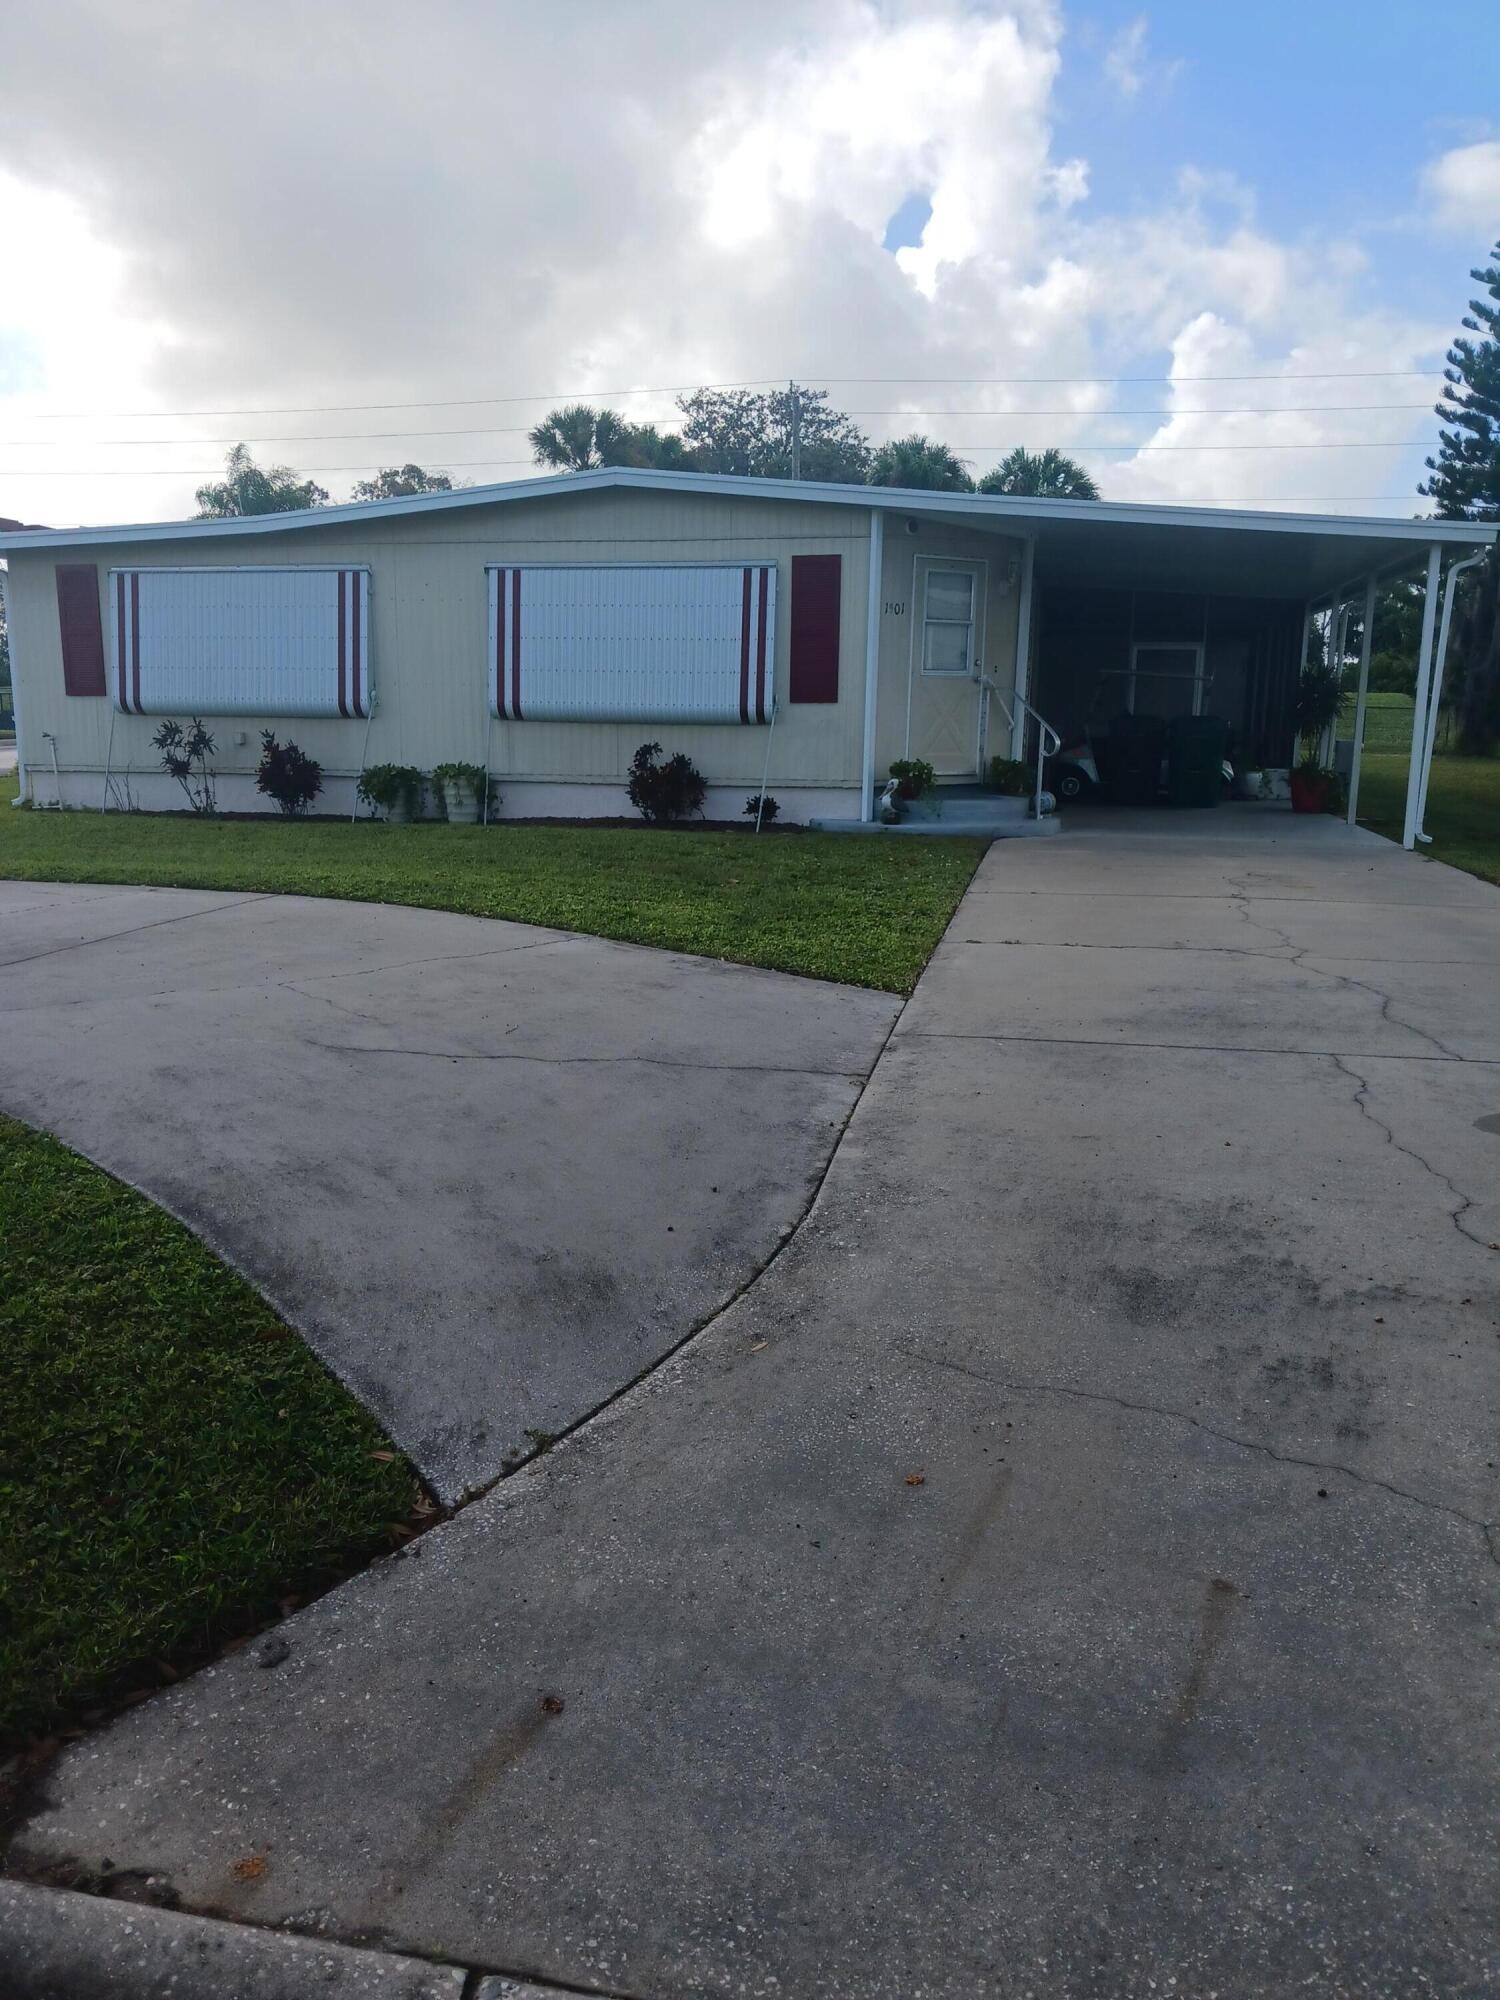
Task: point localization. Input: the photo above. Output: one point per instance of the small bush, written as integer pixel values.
(913, 775)
(762, 809)
(1010, 777)
(664, 792)
(184, 756)
(287, 775)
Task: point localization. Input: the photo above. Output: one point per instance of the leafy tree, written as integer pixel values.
(920, 461)
(400, 482)
(247, 489)
(579, 438)
(1041, 475)
(773, 434)
(1465, 486)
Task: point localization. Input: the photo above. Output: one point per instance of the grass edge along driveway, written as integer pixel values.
(174, 1462)
(865, 910)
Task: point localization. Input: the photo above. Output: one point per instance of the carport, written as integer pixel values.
(1187, 611)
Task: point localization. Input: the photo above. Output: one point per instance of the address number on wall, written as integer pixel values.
(894, 608)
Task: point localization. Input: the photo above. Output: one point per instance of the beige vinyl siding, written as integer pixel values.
(428, 639)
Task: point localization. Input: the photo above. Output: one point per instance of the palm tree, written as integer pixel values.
(1040, 475)
(576, 438)
(919, 461)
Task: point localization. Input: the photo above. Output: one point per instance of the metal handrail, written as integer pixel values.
(1044, 749)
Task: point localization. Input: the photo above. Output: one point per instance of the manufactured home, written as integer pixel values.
(786, 634)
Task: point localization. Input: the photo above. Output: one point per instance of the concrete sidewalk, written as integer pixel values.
(490, 1171)
(1068, 1571)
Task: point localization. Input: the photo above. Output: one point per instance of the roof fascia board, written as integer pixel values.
(982, 509)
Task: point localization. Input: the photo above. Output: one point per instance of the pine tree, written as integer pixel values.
(1465, 485)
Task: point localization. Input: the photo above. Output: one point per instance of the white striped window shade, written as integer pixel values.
(249, 641)
(632, 642)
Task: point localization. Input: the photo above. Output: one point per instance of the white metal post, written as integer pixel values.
(23, 775)
(873, 601)
(1424, 683)
(1435, 698)
(1023, 651)
(1360, 699)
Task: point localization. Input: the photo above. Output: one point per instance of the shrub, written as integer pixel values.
(1010, 776)
(913, 775)
(384, 786)
(287, 775)
(761, 808)
(184, 756)
(663, 792)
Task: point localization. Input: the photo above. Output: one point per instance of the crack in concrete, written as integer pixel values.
(1489, 1530)
(550, 1062)
(113, 937)
(1465, 1201)
(1185, 1048)
(1301, 957)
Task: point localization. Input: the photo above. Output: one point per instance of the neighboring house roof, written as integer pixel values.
(8, 526)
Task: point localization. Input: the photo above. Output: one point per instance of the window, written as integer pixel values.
(948, 622)
(1166, 678)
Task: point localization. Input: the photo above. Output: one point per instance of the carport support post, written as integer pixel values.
(1424, 683)
(1023, 652)
(872, 664)
(1366, 629)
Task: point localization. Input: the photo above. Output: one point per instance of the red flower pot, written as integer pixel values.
(1311, 791)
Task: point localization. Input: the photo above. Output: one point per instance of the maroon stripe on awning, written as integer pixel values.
(121, 664)
(760, 648)
(515, 645)
(343, 641)
(745, 648)
(356, 586)
(135, 638)
(501, 587)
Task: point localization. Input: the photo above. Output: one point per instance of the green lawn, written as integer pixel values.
(835, 906)
(173, 1461)
(1463, 807)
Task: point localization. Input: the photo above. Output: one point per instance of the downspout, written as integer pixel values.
(1360, 699)
(1435, 699)
(872, 664)
(1424, 683)
(1022, 681)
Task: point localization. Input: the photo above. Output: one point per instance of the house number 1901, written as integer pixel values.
(894, 608)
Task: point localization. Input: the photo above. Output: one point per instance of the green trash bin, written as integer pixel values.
(1195, 759)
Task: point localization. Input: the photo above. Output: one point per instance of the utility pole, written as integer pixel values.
(796, 401)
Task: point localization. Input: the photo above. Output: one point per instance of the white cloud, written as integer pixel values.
(250, 207)
(1463, 186)
(1125, 58)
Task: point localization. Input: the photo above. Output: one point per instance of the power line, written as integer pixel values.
(756, 382)
(520, 430)
(472, 464)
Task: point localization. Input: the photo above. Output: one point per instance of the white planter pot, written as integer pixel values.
(463, 807)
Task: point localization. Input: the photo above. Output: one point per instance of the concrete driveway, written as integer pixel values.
(490, 1171)
(1069, 1570)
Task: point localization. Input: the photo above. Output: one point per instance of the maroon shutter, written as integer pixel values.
(816, 583)
(82, 633)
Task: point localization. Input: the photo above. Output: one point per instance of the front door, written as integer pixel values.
(942, 717)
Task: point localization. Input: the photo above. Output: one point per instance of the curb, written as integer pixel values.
(60, 1944)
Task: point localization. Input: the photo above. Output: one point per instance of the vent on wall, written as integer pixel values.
(253, 641)
(632, 642)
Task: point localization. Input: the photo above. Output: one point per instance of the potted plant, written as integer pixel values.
(1316, 786)
(461, 788)
(914, 776)
(396, 790)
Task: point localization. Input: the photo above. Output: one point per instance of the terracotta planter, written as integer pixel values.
(1311, 791)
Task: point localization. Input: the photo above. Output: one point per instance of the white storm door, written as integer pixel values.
(943, 710)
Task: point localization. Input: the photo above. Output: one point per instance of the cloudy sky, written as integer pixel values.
(357, 232)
